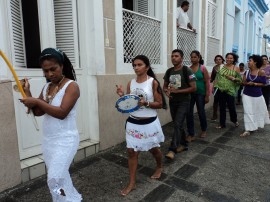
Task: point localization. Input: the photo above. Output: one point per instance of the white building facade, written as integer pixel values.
(266, 35)
(100, 38)
(244, 27)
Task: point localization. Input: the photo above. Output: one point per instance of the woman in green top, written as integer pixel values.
(200, 97)
(228, 82)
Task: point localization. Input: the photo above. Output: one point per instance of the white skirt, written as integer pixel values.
(255, 112)
(58, 152)
(143, 136)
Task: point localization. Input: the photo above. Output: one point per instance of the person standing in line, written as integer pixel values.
(228, 82)
(143, 129)
(242, 72)
(219, 60)
(200, 97)
(179, 82)
(182, 17)
(266, 88)
(255, 110)
(57, 103)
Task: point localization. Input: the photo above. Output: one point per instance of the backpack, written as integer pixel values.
(202, 67)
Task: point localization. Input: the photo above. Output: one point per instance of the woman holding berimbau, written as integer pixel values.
(57, 103)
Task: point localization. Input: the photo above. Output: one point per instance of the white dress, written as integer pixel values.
(59, 146)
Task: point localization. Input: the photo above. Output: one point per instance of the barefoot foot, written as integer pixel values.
(128, 189)
(157, 173)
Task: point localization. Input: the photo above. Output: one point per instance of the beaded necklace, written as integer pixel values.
(255, 76)
(48, 97)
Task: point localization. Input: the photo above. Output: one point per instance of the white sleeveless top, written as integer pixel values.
(145, 90)
(56, 127)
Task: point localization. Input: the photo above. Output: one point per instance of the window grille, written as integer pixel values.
(141, 35)
(141, 6)
(211, 19)
(186, 41)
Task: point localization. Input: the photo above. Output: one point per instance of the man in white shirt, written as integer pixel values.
(182, 16)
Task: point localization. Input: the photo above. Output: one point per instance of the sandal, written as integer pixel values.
(236, 124)
(244, 134)
(219, 127)
(203, 134)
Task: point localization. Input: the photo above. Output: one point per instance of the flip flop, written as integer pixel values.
(203, 135)
(244, 134)
(219, 127)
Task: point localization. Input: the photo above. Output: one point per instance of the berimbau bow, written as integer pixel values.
(19, 86)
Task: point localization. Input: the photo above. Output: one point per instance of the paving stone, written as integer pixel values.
(186, 171)
(228, 134)
(210, 151)
(222, 140)
(215, 196)
(253, 153)
(221, 146)
(183, 185)
(84, 163)
(200, 141)
(149, 172)
(199, 160)
(112, 157)
(159, 194)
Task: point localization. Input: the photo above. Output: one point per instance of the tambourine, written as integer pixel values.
(128, 103)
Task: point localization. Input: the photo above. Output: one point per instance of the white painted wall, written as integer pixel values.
(249, 38)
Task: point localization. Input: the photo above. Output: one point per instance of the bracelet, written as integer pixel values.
(148, 104)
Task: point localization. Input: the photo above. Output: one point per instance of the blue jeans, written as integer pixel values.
(199, 100)
(179, 111)
(226, 99)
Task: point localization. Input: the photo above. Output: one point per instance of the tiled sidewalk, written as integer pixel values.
(221, 167)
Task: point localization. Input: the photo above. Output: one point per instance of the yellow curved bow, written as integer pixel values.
(19, 85)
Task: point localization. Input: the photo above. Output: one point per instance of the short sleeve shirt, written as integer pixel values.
(267, 73)
(177, 79)
(182, 18)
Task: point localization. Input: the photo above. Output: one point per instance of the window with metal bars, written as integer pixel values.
(141, 34)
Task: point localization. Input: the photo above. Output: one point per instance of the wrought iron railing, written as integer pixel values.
(141, 35)
(186, 41)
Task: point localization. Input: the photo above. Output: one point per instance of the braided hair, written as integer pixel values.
(152, 74)
(61, 58)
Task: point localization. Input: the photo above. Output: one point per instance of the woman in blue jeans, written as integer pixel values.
(200, 97)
